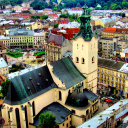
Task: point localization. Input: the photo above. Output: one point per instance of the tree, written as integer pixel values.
(5, 86)
(13, 11)
(56, 25)
(47, 120)
(44, 17)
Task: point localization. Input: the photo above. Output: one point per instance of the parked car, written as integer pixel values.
(104, 98)
(108, 100)
(110, 97)
(110, 104)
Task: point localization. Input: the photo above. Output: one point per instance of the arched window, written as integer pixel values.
(77, 60)
(26, 116)
(93, 59)
(83, 60)
(17, 118)
(77, 46)
(33, 108)
(87, 112)
(69, 92)
(60, 97)
(82, 47)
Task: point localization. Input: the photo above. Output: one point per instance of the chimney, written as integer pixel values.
(121, 103)
(100, 117)
(63, 81)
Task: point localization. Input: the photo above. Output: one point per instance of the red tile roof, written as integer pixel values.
(123, 31)
(22, 15)
(53, 15)
(63, 22)
(76, 9)
(69, 32)
(110, 30)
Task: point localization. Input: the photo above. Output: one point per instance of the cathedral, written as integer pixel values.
(66, 88)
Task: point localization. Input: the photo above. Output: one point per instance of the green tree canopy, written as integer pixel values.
(56, 25)
(5, 86)
(47, 120)
(44, 17)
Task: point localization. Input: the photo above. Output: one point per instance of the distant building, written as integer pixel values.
(112, 77)
(110, 46)
(3, 67)
(39, 39)
(111, 117)
(40, 25)
(2, 50)
(5, 40)
(109, 32)
(21, 38)
(77, 11)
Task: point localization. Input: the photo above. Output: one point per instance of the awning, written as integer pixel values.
(102, 84)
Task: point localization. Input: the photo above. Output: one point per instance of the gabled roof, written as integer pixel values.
(112, 64)
(59, 111)
(90, 95)
(65, 70)
(110, 30)
(29, 85)
(58, 39)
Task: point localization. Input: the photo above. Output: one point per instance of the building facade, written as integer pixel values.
(39, 40)
(5, 40)
(56, 46)
(3, 67)
(111, 117)
(111, 45)
(21, 38)
(109, 32)
(112, 77)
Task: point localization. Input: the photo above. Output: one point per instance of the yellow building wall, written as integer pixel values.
(99, 22)
(76, 121)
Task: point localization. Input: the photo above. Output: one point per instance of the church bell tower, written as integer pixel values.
(85, 47)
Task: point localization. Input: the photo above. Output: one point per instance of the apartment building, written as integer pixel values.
(3, 67)
(109, 118)
(109, 46)
(21, 38)
(5, 40)
(56, 46)
(112, 77)
(39, 39)
(2, 50)
(115, 32)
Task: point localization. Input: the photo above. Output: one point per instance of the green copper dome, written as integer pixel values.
(85, 27)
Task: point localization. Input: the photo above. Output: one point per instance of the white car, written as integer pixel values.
(111, 98)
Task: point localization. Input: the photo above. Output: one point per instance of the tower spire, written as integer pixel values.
(85, 28)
